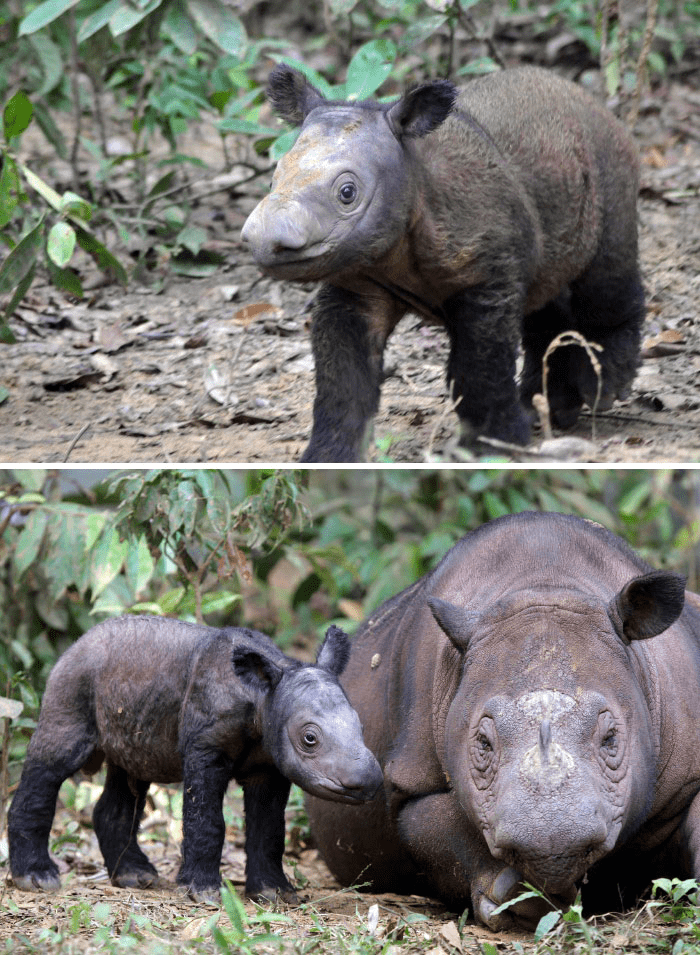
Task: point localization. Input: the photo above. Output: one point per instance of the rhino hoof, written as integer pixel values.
(135, 879)
(275, 893)
(38, 882)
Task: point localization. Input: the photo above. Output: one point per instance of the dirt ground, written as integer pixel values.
(219, 369)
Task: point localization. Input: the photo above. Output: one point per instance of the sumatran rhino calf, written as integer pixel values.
(504, 212)
(534, 703)
(163, 701)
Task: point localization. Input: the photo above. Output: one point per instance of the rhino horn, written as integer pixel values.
(456, 622)
(647, 605)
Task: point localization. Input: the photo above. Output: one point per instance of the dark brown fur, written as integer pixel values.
(533, 703)
(505, 213)
(163, 701)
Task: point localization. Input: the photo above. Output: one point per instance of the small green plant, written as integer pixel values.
(51, 231)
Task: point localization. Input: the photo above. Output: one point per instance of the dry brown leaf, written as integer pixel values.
(250, 313)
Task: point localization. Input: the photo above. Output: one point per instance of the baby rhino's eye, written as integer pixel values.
(347, 193)
(310, 738)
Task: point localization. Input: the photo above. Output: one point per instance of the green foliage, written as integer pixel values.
(53, 225)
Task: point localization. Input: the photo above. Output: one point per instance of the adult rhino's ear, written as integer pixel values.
(456, 622)
(647, 605)
(256, 670)
(422, 109)
(291, 95)
(335, 651)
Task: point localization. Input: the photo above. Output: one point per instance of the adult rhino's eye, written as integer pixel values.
(611, 741)
(483, 746)
(347, 193)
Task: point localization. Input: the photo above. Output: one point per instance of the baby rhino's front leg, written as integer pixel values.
(265, 797)
(206, 775)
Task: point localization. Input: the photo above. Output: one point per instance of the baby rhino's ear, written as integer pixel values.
(422, 109)
(335, 651)
(291, 95)
(256, 670)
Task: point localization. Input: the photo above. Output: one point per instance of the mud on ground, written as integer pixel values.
(220, 370)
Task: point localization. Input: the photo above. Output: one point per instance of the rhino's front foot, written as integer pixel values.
(275, 893)
(135, 878)
(506, 886)
(42, 880)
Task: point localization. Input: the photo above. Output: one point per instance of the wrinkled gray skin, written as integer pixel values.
(161, 701)
(533, 703)
(505, 212)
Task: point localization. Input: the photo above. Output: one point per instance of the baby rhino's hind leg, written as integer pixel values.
(34, 804)
(609, 310)
(116, 819)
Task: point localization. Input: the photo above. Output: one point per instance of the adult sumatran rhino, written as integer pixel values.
(534, 703)
(505, 212)
(161, 701)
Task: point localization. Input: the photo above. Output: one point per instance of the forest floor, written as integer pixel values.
(89, 914)
(219, 369)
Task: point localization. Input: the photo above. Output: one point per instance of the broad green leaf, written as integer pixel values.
(100, 18)
(4, 393)
(369, 67)
(21, 260)
(10, 189)
(283, 144)
(107, 559)
(44, 14)
(479, 66)
(546, 924)
(60, 244)
(49, 128)
(219, 24)
(232, 124)
(219, 601)
(10, 709)
(128, 17)
(102, 257)
(17, 115)
(65, 279)
(192, 237)
(421, 30)
(139, 565)
(20, 291)
(29, 541)
(45, 191)
(49, 54)
(75, 206)
(179, 27)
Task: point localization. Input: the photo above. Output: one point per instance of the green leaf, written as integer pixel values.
(49, 128)
(341, 7)
(20, 291)
(369, 67)
(421, 30)
(4, 393)
(139, 564)
(283, 144)
(60, 244)
(65, 279)
(192, 238)
(44, 14)
(107, 559)
(21, 260)
(101, 256)
(179, 28)
(10, 709)
(17, 115)
(48, 194)
(49, 54)
(546, 924)
(126, 18)
(99, 19)
(10, 190)
(219, 24)
(29, 541)
(75, 206)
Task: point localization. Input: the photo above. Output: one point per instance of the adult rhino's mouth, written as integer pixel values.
(555, 874)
